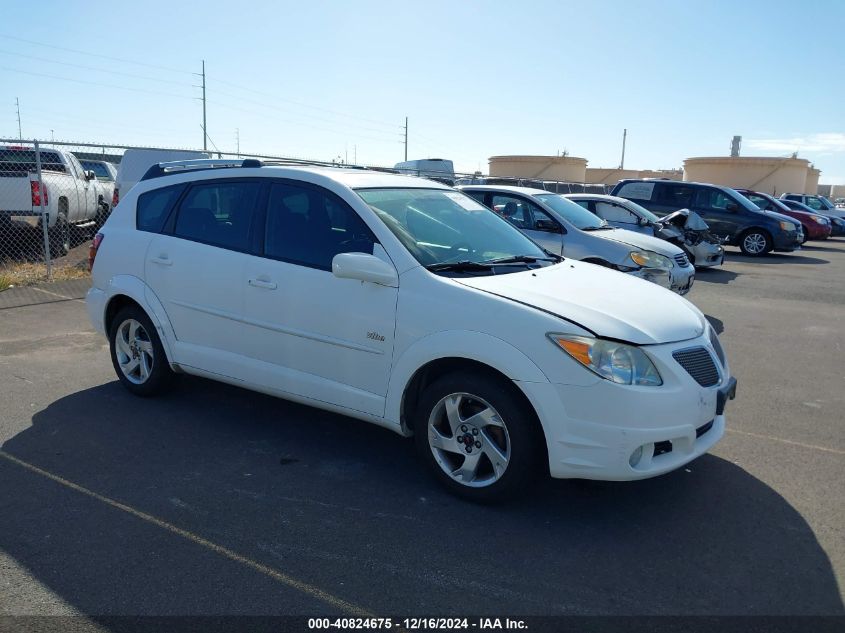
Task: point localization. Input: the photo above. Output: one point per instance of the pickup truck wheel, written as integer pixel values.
(59, 236)
(137, 353)
(102, 214)
(476, 436)
(755, 242)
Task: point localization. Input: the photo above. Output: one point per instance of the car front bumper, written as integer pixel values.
(707, 254)
(592, 432)
(786, 241)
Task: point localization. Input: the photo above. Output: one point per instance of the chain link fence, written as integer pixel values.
(55, 195)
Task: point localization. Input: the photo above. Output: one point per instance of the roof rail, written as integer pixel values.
(165, 169)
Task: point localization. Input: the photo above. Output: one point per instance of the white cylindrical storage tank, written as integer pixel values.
(769, 175)
(609, 175)
(563, 168)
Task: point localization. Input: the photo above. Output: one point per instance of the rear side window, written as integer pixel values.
(309, 226)
(675, 196)
(154, 207)
(713, 199)
(218, 213)
(637, 191)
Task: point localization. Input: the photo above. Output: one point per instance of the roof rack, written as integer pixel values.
(199, 164)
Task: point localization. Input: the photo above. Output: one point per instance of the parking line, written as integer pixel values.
(55, 294)
(792, 442)
(285, 579)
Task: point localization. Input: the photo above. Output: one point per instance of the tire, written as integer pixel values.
(137, 353)
(755, 243)
(507, 434)
(102, 215)
(59, 236)
(806, 235)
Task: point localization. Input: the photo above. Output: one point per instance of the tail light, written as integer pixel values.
(35, 188)
(92, 252)
(115, 197)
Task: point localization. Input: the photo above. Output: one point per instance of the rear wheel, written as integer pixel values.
(59, 236)
(478, 438)
(755, 242)
(137, 353)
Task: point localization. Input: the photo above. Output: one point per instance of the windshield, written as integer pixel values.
(440, 226)
(570, 211)
(648, 215)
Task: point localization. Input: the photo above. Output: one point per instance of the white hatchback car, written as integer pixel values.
(405, 303)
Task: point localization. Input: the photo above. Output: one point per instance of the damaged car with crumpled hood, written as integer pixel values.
(683, 228)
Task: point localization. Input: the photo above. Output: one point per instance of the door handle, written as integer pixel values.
(162, 260)
(262, 283)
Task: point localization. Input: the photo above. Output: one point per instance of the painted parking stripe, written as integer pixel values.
(283, 578)
(836, 451)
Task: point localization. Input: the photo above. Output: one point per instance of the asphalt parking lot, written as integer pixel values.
(215, 500)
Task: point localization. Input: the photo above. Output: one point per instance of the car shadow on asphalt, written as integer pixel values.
(345, 506)
(817, 248)
(715, 275)
(777, 258)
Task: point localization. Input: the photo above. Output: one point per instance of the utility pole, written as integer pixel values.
(18, 105)
(238, 140)
(624, 138)
(204, 128)
(406, 139)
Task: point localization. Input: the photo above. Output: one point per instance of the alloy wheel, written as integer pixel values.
(755, 243)
(134, 351)
(469, 440)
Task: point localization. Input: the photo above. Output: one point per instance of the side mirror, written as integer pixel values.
(731, 206)
(642, 221)
(364, 267)
(549, 226)
(89, 174)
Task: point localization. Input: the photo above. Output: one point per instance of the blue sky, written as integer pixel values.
(329, 79)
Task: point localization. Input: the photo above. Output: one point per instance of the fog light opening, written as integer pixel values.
(635, 457)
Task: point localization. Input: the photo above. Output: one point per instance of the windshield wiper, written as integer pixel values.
(599, 228)
(464, 265)
(520, 259)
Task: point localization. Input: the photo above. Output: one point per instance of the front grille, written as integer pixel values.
(681, 259)
(699, 364)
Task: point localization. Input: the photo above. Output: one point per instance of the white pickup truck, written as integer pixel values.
(72, 198)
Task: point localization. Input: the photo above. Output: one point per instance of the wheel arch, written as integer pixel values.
(126, 290)
(444, 352)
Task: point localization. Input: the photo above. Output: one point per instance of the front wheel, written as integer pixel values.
(477, 436)
(755, 243)
(137, 353)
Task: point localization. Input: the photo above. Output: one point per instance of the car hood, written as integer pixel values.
(781, 217)
(608, 303)
(693, 221)
(639, 240)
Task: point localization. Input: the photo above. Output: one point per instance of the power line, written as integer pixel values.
(73, 50)
(101, 70)
(315, 127)
(305, 105)
(94, 83)
(309, 116)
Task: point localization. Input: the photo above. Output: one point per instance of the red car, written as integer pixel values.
(816, 227)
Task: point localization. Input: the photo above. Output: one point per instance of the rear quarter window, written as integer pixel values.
(154, 207)
(637, 191)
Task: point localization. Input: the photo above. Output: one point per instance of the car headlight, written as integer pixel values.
(787, 226)
(819, 219)
(617, 362)
(649, 259)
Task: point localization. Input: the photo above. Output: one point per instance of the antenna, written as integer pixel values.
(18, 105)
